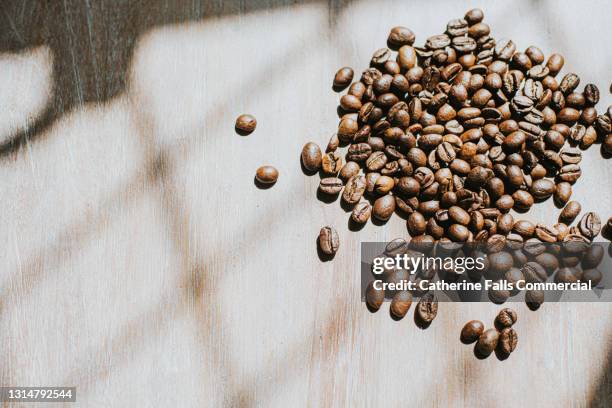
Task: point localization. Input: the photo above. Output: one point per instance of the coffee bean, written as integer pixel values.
(524, 228)
(343, 77)
(266, 175)
(311, 156)
(508, 340)
(246, 123)
(361, 212)
(505, 318)
(570, 212)
(590, 225)
(563, 192)
(555, 63)
(400, 36)
(570, 173)
(354, 189)
(487, 342)
(542, 189)
(328, 240)
(471, 331)
(458, 233)
(330, 185)
(384, 207)
(406, 57)
(534, 299)
(374, 297)
(349, 170)
(331, 163)
(416, 224)
(427, 308)
(383, 185)
(400, 304)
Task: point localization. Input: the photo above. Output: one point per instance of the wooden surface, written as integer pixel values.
(141, 264)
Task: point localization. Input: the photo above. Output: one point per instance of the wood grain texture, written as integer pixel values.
(143, 266)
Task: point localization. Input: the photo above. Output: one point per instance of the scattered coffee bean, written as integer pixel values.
(507, 340)
(311, 156)
(505, 318)
(328, 240)
(471, 331)
(266, 175)
(246, 123)
(400, 304)
(427, 308)
(487, 342)
(343, 77)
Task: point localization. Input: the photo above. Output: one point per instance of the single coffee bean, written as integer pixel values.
(400, 304)
(330, 185)
(487, 342)
(343, 77)
(354, 189)
(590, 225)
(570, 212)
(471, 331)
(416, 224)
(498, 295)
(374, 297)
(534, 299)
(546, 233)
(384, 207)
(555, 63)
(328, 240)
(505, 223)
(542, 189)
(505, 318)
(458, 233)
(570, 173)
(508, 340)
(400, 36)
(331, 163)
(384, 184)
(427, 308)
(266, 175)
(361, 213)
(311, 156)
(458, 215)
(524, 228)
(563, 192)
(592, 257)
(246, 123)
(406, 57)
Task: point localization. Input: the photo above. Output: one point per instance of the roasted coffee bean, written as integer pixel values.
(542, 189)
(427, 308)
(487, 342)
(555, 63)
(416, 224)
(349, 170)
(534, 272)
(246, 123)
(311, 156)
(343, 77)
(331, 163)
(400, 304)
(505, 223)
(458, 233)
(508, 340)
(563, 192)
(570, 155)
(471, 331)
(383, 185)
(354, 189)
(569, 83)
(400, 36)
(361, 212)
(505, 318)
(570, 173)
(347, 129)
(546, 233)
(331, 185)
(570, 212)
(406, 57)
(592, 257)
(266, 175)
(328, 240)
(376, 161)
(384, 207)
(524, 228)
(458, 215)
(590, 225)
(374, 297)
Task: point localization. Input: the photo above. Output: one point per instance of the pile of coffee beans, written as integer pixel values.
(456, 133)
(502, 339)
